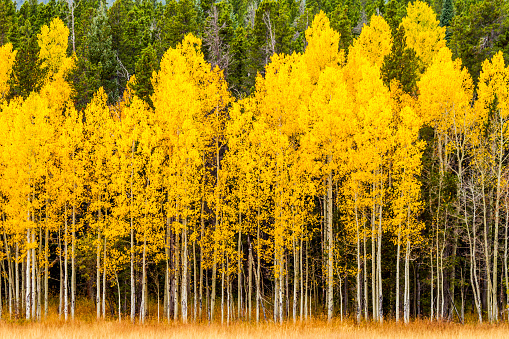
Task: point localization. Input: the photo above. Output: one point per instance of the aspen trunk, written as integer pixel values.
(258, 255)
(184, 273)
(358, 275)
(214, 264)
(66, 294)
(202, 236)
(365, 276)
(472, 241)
(167, 270)
(195, 294)
(330, 261)
(379, 267)
(104, 280)
(222, 291)
(98, 271)
(38, 275)
(406, 301)
(295, 280)
(131, 207)
(143, 281)
(239, 270)
(250, 280)
(73, 263)
(497, 222)
(46, 271)
(397, 273)
(307, 284)
(60, 276)
(16, 277)
(506, 276)
(374, 289)
(228, 301)
(487, 253)
(34, 282)
(176, 270)
(27, 280)
(301, 278)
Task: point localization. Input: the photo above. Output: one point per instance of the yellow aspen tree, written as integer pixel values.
(71, 166)
(374, 42)
(446, 91)
(406, 204)
(493, 106)
(7, 57)
(127, 183)
(322, 57)
(56, 92)
(98, 144)
(322, 47)
(423, 32)
(330, 119)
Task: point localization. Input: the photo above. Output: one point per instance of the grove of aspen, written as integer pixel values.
(273, 162)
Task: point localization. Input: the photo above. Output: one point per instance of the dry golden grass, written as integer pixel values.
(56, 329)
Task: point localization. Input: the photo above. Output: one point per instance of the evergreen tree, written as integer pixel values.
(27, 74)
(402, 64)
(7, 19)
(341, 23)
(446, 17)
(145, 66)
(99, 52)
(178, 19)
(479, 33)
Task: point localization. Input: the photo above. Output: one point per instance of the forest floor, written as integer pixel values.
(56, 329)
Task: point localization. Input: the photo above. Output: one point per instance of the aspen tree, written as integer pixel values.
(445, 103)
(7, 57)
(330, 117)
(126, 179)
(493, 105)
(423, 31)
(322, 51)
(406, 204)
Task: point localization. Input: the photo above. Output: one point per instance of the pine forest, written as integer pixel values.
(258, 161)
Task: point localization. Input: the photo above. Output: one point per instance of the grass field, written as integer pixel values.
(56, 329)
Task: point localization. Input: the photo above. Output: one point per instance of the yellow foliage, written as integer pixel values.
(446, 91)
(423, 31)
(7, 57)
(53, 42)
(375, 41)
(322, 47)
(494, 85)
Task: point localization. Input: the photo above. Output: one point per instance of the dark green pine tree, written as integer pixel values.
(27, 73)
(391, 16)
(446, 17)
(341, 23)
(478, 33)
(147, 63)
(7, 20)
(402, 64)
(130, 24)
(179, 19)
(238, 77)
(97, 63)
